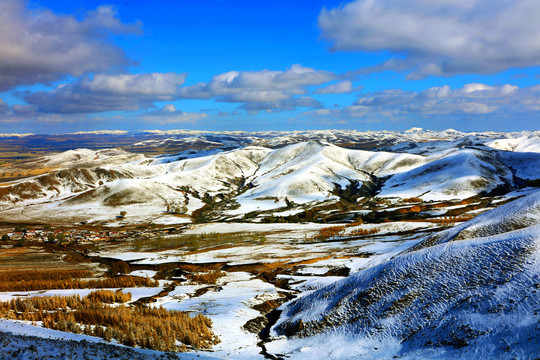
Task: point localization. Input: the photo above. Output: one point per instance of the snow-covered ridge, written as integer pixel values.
(370, 139)
(331, 135)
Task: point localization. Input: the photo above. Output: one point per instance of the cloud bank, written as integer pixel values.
(168, 114)
(254, 91)
(439, 103)
(440, 38)
(104, 92)
(39, 46)
(264, 90)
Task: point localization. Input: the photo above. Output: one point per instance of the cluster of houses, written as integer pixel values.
(84, 236)
(66, 236)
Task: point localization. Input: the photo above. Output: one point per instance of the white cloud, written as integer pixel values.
(288, 104)
(39, 46)
(107, 92)
(255, 91)
(151, 84)
(341, 87)
(439, 37)
(472, 98)
(168, 115)
(261, 90)
(438, 103)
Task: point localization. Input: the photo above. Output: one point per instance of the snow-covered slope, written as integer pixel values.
(473, 292)
(458, 173)
(525, 165)
(60, 184)
(26, 342)
(526, 143)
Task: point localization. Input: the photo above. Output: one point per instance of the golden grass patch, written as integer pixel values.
(152, 328)
(28, 280)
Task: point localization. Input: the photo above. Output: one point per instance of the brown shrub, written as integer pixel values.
(408, 210)
(35, 274)
(119, 267)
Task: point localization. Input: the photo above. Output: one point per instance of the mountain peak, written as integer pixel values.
(414, 130)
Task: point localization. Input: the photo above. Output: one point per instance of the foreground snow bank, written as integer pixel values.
(26, 342)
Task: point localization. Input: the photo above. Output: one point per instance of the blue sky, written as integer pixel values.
(269, 65)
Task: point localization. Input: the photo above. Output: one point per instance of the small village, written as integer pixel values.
(46, 234)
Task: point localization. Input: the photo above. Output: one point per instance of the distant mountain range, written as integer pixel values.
(182, 139)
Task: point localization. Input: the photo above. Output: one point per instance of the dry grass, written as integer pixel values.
(65, 279)
(363, 232)
(44, 275)
(109, 296)
(327, 233)
(206, 278)
(152, 328)
(336, 232)
(196, 242)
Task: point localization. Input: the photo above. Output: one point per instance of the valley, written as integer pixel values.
(286, 241)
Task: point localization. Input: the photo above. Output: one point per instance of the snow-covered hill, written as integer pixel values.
(81, 158)
(470, 292)
(458, 173)
(311, 170)
(456, 166)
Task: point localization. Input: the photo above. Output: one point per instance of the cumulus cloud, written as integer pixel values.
(39, 46)
(341, 87)
(440, 38)
(284, 105)
(168, 115)
(468, 102)
(255, 91)
(262, 90)
(104, 92)
(472, 98)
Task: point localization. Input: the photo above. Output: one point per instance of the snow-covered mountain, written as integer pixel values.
(258, 178)
(470, 292)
